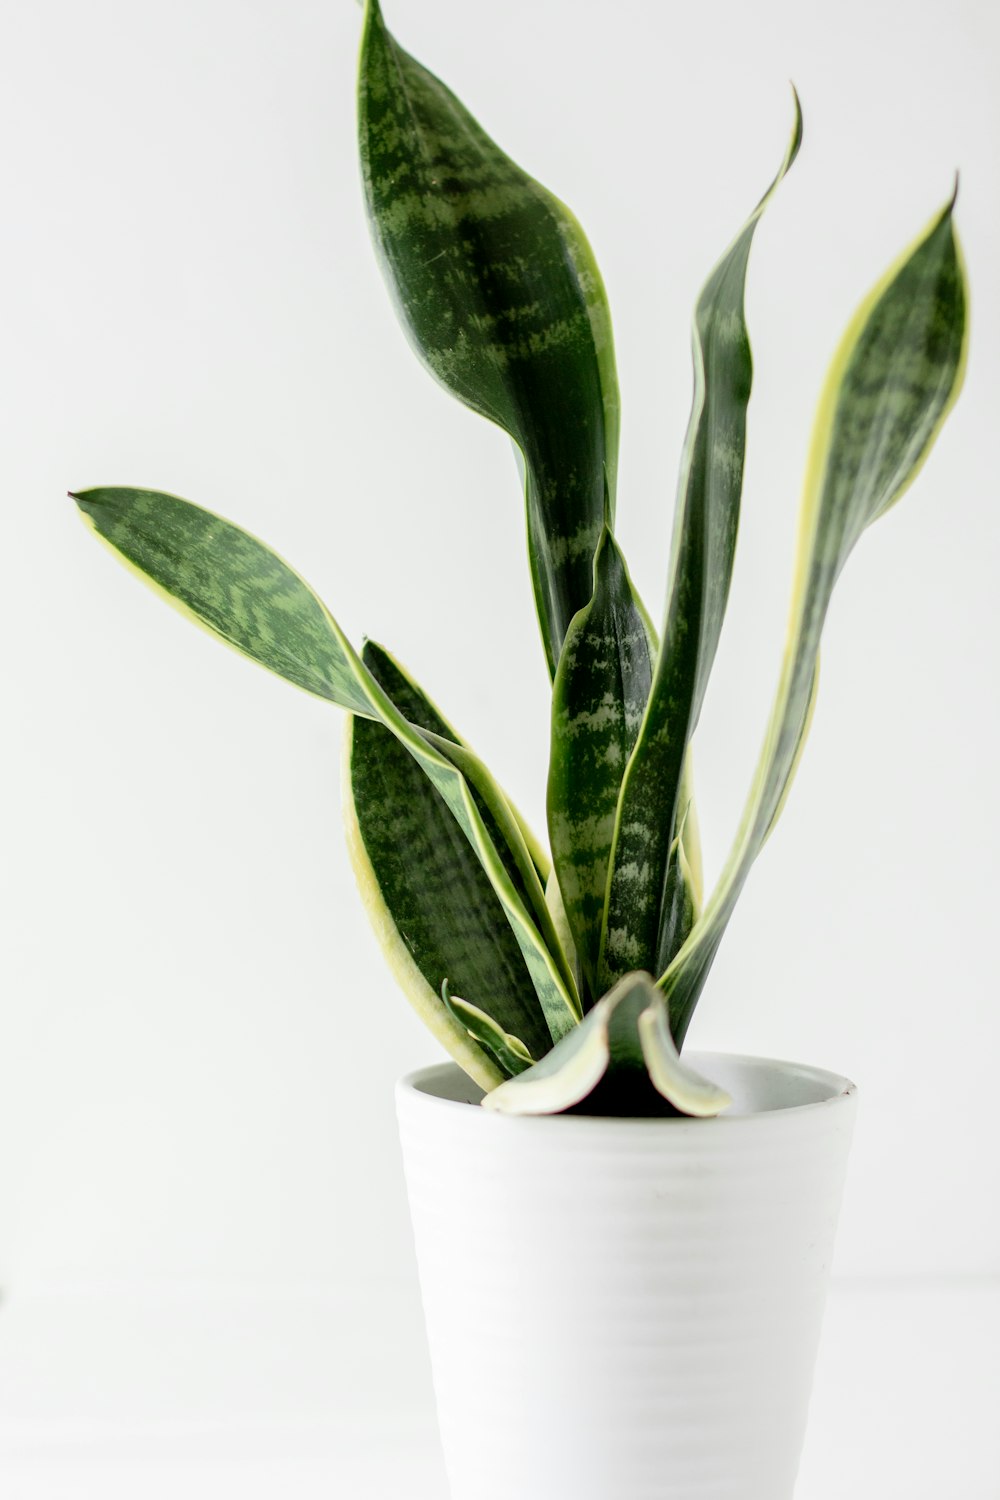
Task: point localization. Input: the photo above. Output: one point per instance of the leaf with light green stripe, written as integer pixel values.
(621, 1059)
(509, 1052)
(680, 907)
(690, 839)
(893, 381)
(423, 884)
(499, 292)
(638, 924)
(506, 829)
(399, 950)
(241, 591)
(598, 701)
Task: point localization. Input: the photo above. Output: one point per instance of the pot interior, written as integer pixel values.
(758, 1085)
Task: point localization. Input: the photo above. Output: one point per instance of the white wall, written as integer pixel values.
(199, 1038)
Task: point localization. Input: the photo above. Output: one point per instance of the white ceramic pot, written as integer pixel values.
(626, 1309)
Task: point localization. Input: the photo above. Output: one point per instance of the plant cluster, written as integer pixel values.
(566, 981)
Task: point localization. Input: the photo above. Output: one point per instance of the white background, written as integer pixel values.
(199, 1037)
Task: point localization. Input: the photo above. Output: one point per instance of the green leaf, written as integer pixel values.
(679, 905)
(690, 838)
(620, 1059)
(892, 383)
(238, 589)
(501, 297)
(228, 582)
(405, 953)
(511, 1055)
(421, 881)
(638, 924)
(506, 828)
(598, 700)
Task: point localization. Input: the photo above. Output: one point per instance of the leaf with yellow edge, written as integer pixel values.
(426, 1001)
(242, 592)
(499, 292)
(510, 1053)
(893, 380)
(620, 1059)
(643, 924)
(433, 896)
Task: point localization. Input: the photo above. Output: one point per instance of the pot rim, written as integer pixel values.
(838, 1090)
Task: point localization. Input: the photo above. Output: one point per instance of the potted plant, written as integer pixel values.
(624, 1253)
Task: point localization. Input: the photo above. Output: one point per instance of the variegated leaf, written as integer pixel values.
(639, 930)
(500, 294)
(892, 383)
(422, 883)
(509, 1052)
(598, 701)
(621, 1059)
(243, 593)
(507, 830)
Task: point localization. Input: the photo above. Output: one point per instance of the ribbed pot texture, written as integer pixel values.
(626, 1309)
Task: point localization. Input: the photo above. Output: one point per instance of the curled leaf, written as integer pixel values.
(626, 1033)
(509, 1052)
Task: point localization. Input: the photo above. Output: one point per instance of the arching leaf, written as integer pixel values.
(894, 379)
(243, 593)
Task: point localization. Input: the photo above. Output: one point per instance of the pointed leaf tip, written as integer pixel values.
(452, 215)
(797, 126)
(508, 1051)
(642, 923)
(893, 380)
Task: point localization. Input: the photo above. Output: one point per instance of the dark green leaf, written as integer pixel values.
(598, 700)
(500, 294)
(638, 931)
(427, 878)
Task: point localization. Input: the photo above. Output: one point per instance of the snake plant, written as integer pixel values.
(567, 981)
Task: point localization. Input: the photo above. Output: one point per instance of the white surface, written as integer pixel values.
(197, 1394)
(199, 1038)
(634, 1304)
